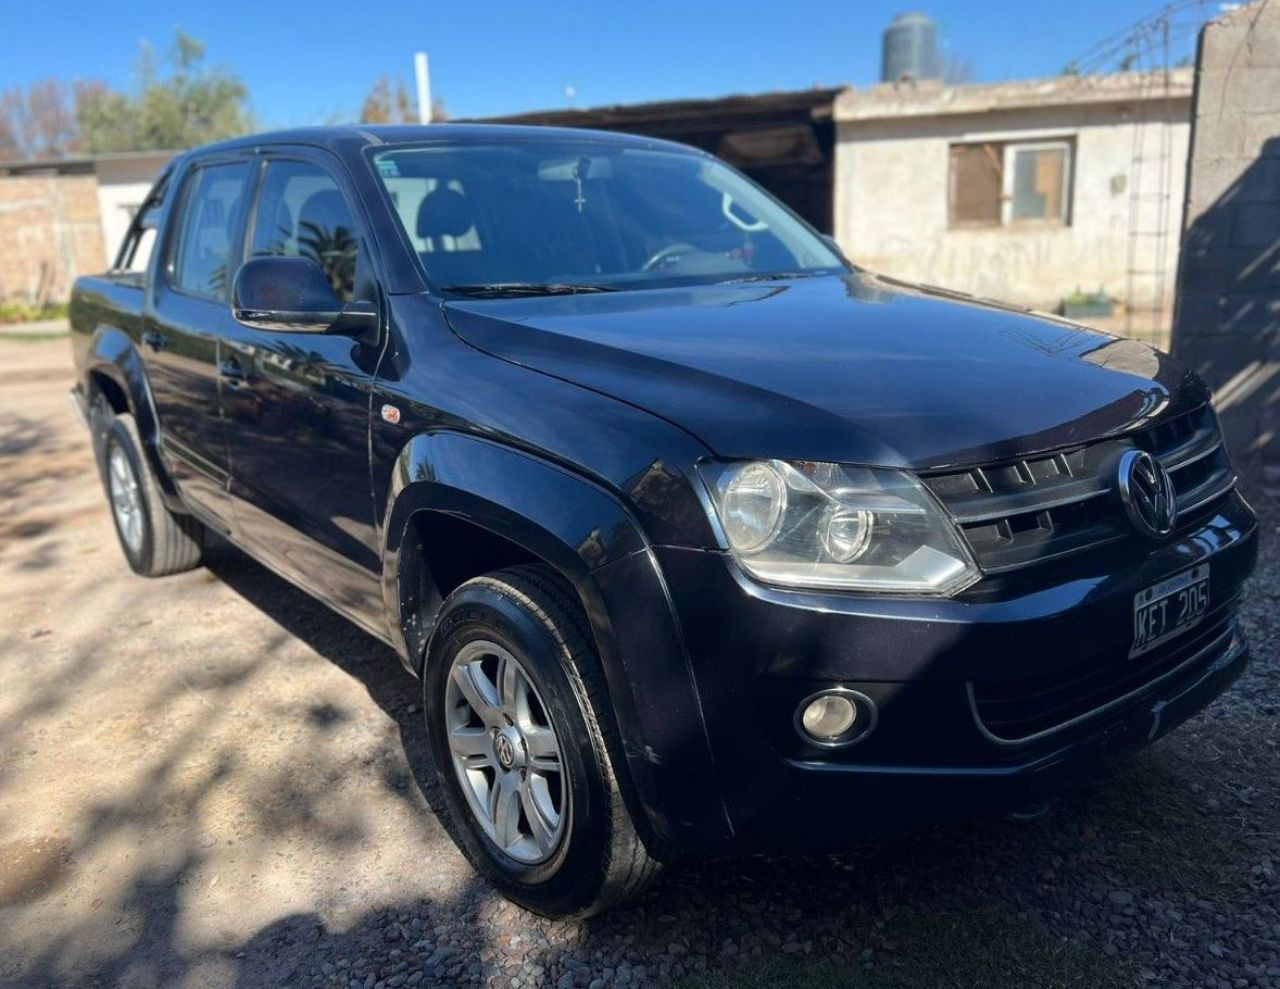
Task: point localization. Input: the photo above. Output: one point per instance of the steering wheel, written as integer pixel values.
(666, 254)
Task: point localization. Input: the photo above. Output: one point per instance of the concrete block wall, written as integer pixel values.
(1227, 322)
(50, 232)
(892, 178)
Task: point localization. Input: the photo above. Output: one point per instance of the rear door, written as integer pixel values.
(189, 313)
(298, 414)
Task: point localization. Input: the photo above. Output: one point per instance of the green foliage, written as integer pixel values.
(187, 105)
(21, 312)
(1082, 298)
(107, 118)
(334, 251)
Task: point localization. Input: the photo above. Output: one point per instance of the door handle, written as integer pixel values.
(154, 339)
(230, 371)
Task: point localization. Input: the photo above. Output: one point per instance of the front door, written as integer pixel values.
(188, 314)
(298, 411)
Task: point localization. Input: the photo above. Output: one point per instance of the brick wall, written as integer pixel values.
(1227, 323)
(50, 232)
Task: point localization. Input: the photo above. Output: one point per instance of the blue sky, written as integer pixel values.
(312, 62)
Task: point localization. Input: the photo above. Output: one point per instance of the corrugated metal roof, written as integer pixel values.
(816, 103)
(79, 163)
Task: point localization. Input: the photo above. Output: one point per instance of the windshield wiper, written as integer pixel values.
(495, 290)
(777, 276)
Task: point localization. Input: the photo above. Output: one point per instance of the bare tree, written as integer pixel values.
(390, 103)
(38, 121)
(10, 144)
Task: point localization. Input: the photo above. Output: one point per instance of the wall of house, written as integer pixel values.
(50, 232)
(1228, 317)
(892, 181)
(122, 186)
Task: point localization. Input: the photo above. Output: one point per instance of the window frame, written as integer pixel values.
(1007, 150)
(1011, 149)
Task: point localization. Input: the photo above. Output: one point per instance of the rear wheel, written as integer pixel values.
(519, 727)
(155, 541)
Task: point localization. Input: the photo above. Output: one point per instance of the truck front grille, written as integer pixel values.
(1023, 512)
(1023, 709)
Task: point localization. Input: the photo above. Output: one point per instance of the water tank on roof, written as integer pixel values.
(910, 49)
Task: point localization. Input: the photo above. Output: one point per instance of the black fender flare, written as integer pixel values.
(113, 354)
(587, 534)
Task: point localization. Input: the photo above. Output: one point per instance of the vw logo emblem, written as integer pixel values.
(504, 751)
(1148, 494)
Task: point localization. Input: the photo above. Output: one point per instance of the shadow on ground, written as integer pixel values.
(878, 911)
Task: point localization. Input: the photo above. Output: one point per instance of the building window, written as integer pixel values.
(1000, 183)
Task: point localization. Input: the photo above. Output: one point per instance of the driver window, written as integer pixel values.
(301, 212)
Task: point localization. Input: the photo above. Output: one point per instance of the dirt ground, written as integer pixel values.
(184, 763)
(211, 780)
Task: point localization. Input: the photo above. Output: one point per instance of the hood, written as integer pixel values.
(848, 368)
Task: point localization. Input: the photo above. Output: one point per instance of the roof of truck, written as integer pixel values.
(390, 134)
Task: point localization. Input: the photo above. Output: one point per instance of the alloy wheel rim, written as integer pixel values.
(126, 498)
(506, 752)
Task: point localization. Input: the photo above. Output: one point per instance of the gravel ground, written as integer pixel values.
(212, 781)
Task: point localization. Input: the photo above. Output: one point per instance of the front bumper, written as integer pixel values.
(756, 652)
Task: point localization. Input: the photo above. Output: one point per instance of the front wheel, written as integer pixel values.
(518, 723)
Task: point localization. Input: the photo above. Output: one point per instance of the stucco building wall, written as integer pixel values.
(893, 187)
(123, 183)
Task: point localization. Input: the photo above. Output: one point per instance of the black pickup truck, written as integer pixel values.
(698, 536)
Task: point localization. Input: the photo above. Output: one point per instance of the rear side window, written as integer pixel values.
(301, 212)
(135, 252)
(210, 218)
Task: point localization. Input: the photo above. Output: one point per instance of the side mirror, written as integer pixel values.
(292, 295)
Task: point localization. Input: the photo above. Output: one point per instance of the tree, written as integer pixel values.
(37, 122)
(191, 104)
(388, 103)
(107, 118)
(385, 104)
(10, 145)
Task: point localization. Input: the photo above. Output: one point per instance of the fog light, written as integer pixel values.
(829, 717)
(835, 717)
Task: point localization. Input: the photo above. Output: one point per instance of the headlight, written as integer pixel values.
(806, 524)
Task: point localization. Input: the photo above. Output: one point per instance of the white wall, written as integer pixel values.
(123, 184)
(891, 212)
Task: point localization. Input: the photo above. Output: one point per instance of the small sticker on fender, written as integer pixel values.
(391, 414)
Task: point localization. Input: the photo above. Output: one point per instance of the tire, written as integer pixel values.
(597, 859)
(155, 541)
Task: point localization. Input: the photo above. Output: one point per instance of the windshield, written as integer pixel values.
(557, 215)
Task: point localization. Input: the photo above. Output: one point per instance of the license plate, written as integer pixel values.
(1169, 608)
